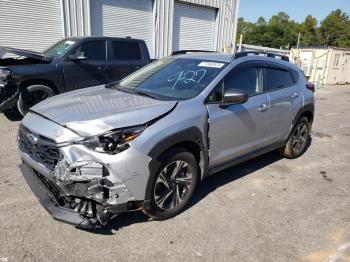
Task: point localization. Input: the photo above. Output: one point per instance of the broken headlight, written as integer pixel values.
(113, 142)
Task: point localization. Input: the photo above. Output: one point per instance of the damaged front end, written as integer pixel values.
(74, 187)
(9, 91)
(10, 58)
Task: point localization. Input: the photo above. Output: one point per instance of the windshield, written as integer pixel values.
(172, 78)
(59, 48)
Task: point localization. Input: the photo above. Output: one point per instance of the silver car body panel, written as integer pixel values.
(96, 110)
(237, 129)
(222, 134)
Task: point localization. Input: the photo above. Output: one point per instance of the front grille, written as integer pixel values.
(39, 148)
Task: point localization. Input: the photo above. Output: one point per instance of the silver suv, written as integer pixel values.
(146, 142)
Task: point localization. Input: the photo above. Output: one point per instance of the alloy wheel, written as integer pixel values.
(300, 137)
(172, 184)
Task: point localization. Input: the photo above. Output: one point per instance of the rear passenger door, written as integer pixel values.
(285, 100)
(127, 57)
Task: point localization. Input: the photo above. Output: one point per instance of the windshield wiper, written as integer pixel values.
(145, 94)
(135, 92)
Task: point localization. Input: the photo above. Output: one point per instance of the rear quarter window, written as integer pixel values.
(295, 75)
(278, 78)
(123, 50)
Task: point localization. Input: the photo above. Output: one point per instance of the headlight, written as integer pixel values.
(5, 73)
(113, 142)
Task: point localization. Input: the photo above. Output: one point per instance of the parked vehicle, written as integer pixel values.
(146, 142)
(27, 77)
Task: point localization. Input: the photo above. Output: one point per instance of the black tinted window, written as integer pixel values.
(278, 78)
(216, 94)
(126, 51)
(247, 79)
(92, 50)
(295, 74)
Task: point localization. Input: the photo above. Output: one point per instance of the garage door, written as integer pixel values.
(30, 24)
(121, 18)
(194, 27)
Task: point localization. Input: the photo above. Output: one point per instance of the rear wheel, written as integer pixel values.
(32, 95)
(298, 140)
(173, 185)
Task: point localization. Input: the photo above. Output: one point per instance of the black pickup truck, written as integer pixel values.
(27, 77)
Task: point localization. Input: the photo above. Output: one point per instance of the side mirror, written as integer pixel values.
(77, 58)
(233, 96)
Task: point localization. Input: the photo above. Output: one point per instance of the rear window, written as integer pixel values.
(126, 50)
(278, 78)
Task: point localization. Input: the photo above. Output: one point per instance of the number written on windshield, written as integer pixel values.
(187, 77)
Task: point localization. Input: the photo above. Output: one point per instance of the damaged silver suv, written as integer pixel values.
(146, 142)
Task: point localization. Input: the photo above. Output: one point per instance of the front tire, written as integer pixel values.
(298, 140)
(32, 95)
(173, 185)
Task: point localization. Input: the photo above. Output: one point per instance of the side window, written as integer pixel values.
(92, 50)
(123, 50)
(216, 94)
(248, 79)
(295, 75)
(278, 78)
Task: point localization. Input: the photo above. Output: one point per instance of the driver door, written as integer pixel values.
(94, 69)
(238, 129)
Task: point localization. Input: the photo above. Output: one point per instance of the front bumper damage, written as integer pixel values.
(49, 202)
(82, 190)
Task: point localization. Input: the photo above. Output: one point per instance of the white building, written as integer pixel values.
(165, 25)
(263, 49)
(326, 65)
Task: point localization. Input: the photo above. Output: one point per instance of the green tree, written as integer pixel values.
(308, 31)
(282, 32)
(335, 29)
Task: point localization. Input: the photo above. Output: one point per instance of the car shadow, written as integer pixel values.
(208, 185)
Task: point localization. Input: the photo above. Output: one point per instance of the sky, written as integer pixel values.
(251, 10)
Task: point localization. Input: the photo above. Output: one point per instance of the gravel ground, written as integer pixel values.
(267, 209)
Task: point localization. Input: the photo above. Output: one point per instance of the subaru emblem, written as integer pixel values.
(33, 139)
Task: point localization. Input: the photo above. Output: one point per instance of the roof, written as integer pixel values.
(223, 57)
(102, 37)
(228, 57)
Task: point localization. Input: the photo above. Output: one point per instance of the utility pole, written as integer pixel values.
(298, 41)
(240, 43)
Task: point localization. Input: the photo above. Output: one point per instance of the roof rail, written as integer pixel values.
(273, 55)
(190, 51)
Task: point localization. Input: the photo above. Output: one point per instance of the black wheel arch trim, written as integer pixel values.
(192, 134)
(308, 108)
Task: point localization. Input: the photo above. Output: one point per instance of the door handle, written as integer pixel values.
(294, 95)
(262, 108)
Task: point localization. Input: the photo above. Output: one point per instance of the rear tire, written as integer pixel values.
(32, 95)
(173, 185)
(298, 140)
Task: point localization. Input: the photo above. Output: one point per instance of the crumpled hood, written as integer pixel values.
(95, 110)
(22, 52)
